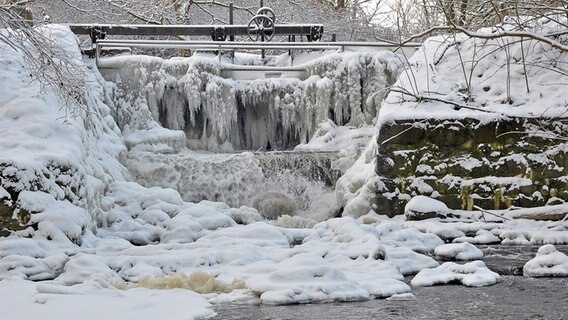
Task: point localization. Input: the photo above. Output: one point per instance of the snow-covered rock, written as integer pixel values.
(472, 274)
(482, 237)
(272, 205)
(458, 251)
(548, 262)
(306, 279)
(422, 207)
(396, 236)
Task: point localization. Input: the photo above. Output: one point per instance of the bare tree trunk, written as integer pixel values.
(427, 18)
(463, 13)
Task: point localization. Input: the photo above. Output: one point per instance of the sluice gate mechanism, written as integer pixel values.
(259, 35)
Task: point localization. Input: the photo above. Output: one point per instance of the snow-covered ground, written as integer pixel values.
(100, 244)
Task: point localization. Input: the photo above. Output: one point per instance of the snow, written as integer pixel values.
(421, 205)
(458, 251)
(548, 262)
(402, 297)
(472, 274)
(396, 236)
(306, 279)
(28, 300)
(482, 237)
(435, 72)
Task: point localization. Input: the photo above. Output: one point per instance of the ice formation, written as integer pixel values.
(223, 114)
(239, 178)
(163, 106)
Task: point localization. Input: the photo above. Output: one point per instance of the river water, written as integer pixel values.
(514, 297)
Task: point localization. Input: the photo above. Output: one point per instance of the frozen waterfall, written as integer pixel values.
(173, 113)
(269, 114)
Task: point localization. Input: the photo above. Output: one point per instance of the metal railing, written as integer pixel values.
(219, 46)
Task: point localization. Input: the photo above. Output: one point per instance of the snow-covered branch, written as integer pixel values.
(48, 62)
(497, 33)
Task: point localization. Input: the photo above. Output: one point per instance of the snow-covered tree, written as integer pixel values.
(47, 62)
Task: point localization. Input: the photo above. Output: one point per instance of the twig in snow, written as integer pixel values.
(493, 214)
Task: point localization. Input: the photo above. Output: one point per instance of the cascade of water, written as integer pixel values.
(163, 104)
(239, 179)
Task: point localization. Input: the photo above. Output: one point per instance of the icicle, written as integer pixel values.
(217, 113)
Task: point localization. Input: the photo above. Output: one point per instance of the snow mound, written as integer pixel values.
(458, 251)
(446, 231)
(482, 237)
(84, 267)
(548, 262)
(396, 236)
(407, 261)
(472, 274)
(31, 268)
(347, 237)
(306, 279)
(402, 297)
(28, 300)
(422, 207)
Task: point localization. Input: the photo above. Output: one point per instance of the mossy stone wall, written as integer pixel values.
(466, 163)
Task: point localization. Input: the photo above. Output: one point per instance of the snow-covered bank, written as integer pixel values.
(472, 121)
(44, 149)
(454, 76)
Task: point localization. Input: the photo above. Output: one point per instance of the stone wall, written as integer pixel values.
(466, 163)
(63, 182)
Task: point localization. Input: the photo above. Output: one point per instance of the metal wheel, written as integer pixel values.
(267, 11)
(261, 27)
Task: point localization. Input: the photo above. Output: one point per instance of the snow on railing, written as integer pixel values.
(407, 50)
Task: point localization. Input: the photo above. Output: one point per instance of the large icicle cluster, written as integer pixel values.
(277, 113)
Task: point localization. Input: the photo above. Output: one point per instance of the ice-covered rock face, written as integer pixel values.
(219, 114)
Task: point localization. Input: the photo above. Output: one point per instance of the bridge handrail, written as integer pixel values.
(269, 45)
(220, 45)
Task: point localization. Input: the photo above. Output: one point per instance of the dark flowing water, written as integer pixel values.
(514, 297)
